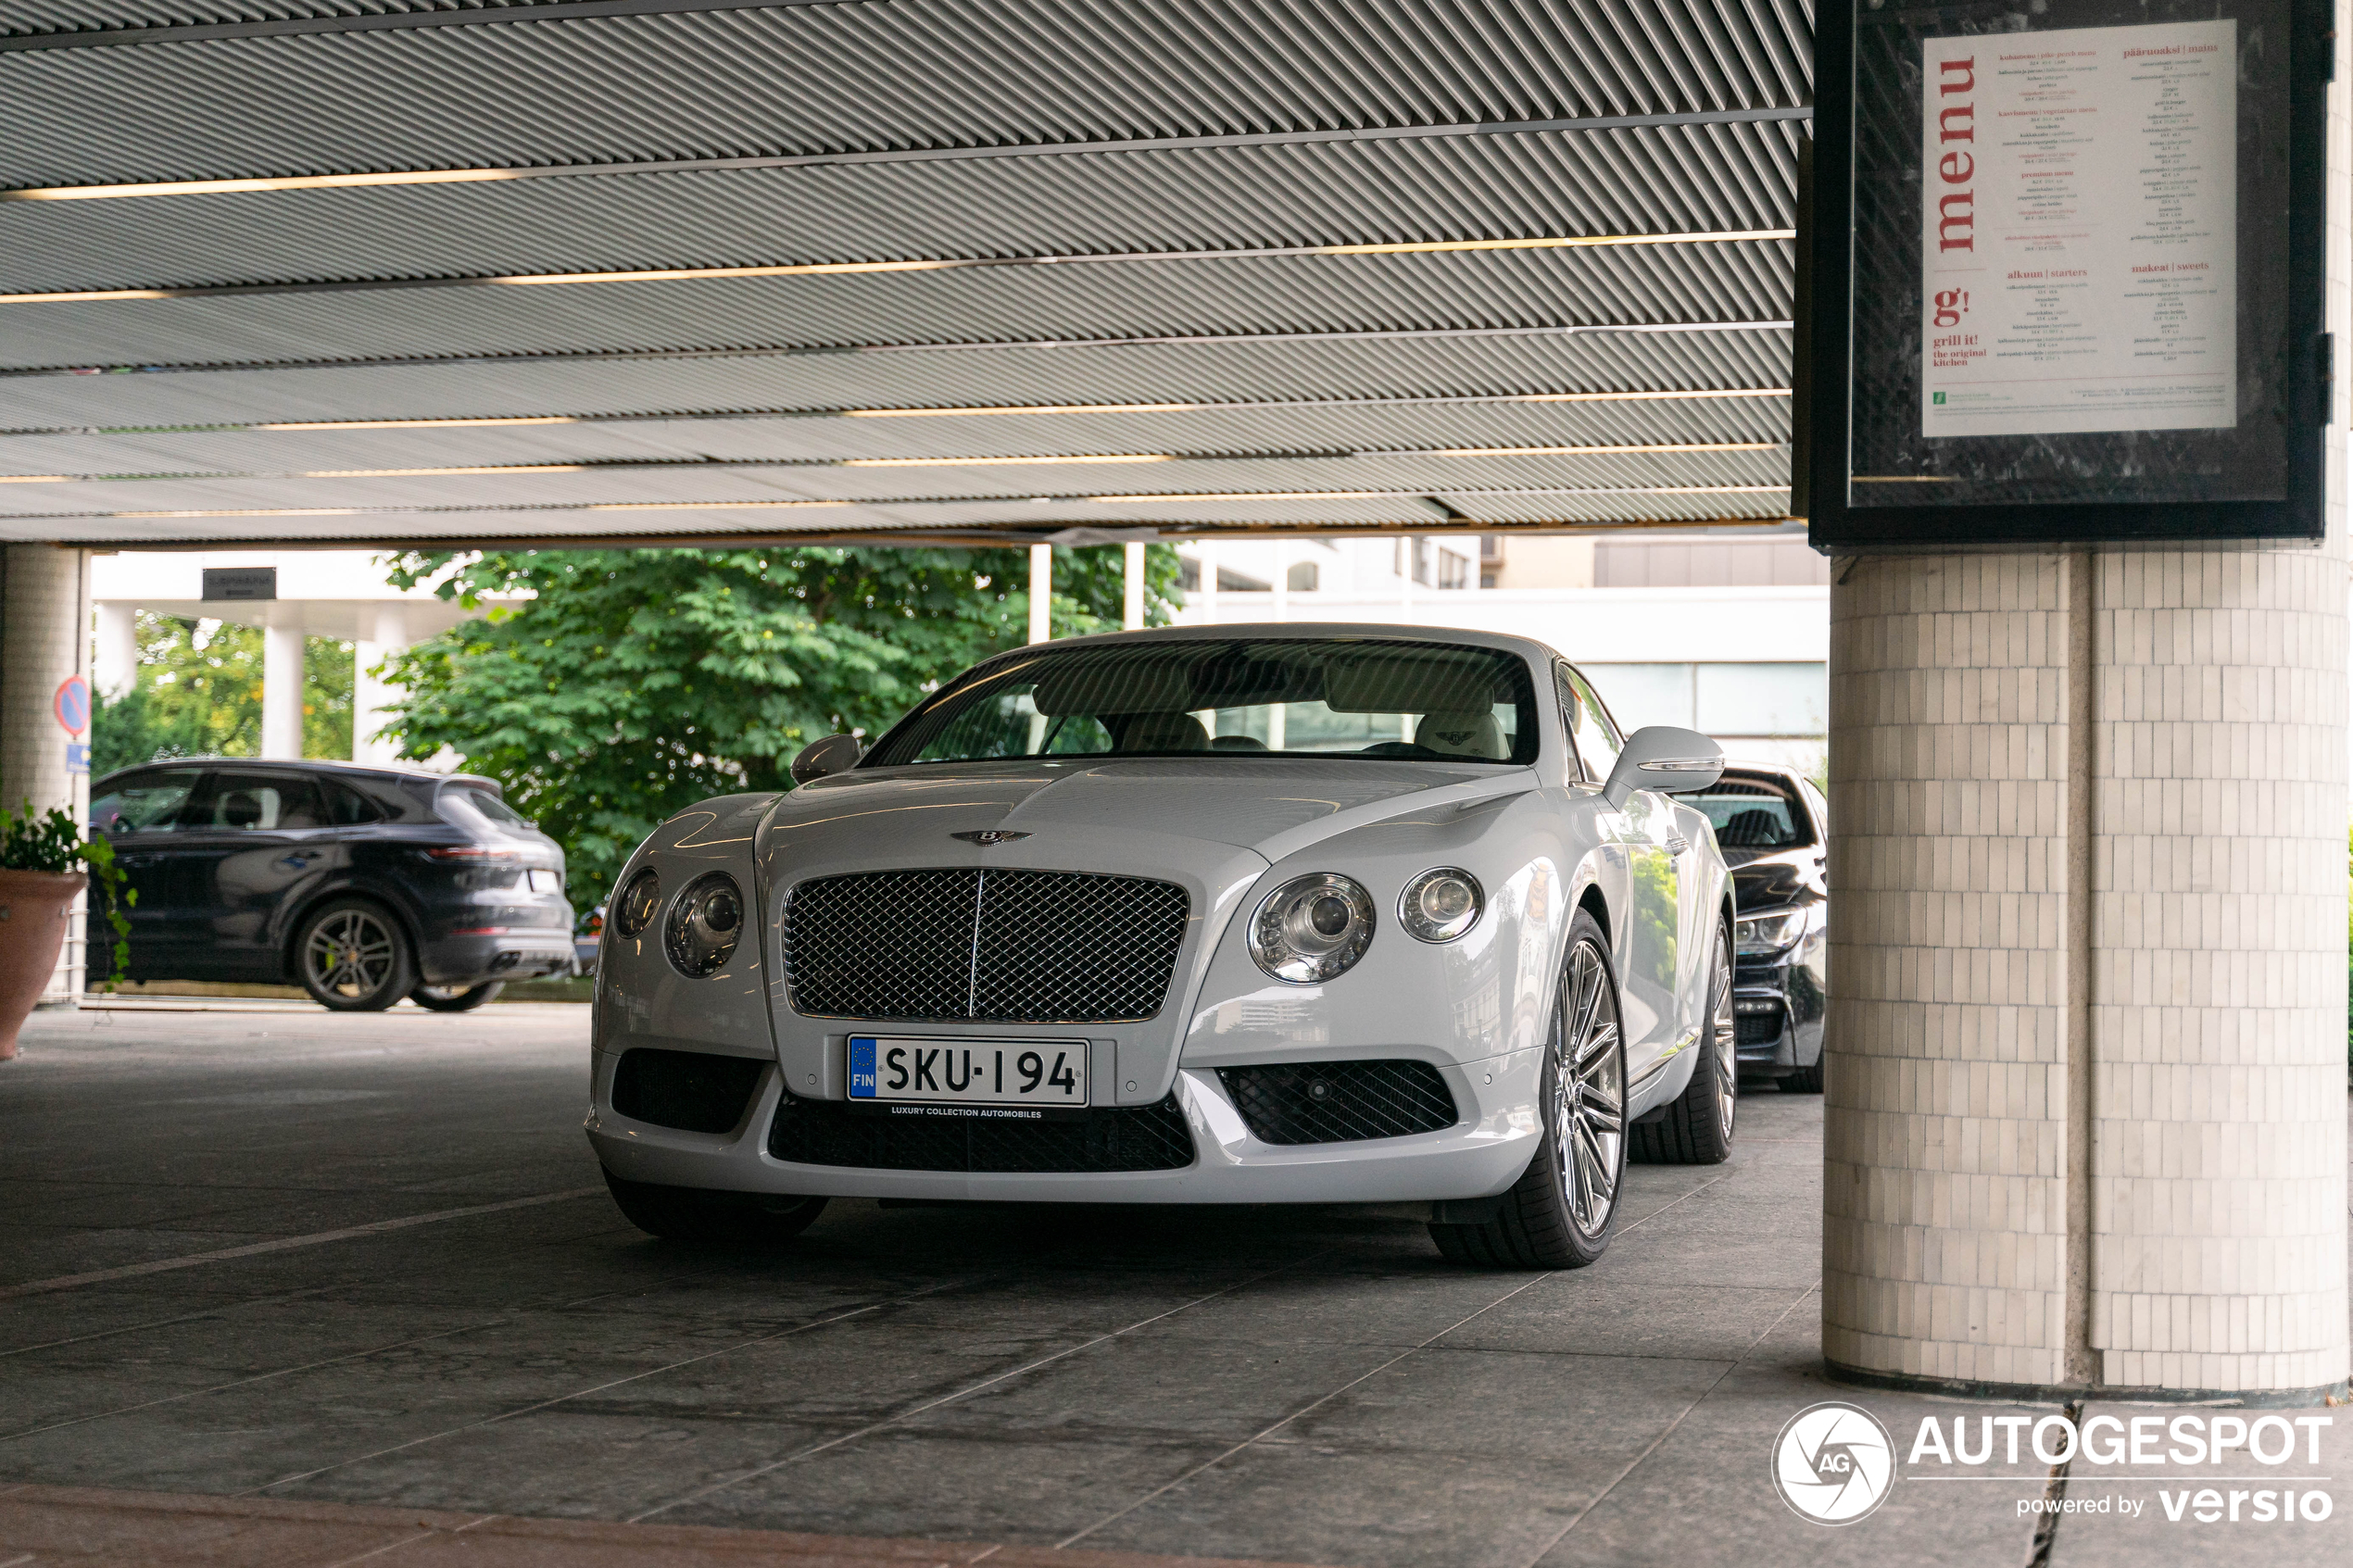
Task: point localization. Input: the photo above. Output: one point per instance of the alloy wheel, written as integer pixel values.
(1589, 1092)
(350, 953)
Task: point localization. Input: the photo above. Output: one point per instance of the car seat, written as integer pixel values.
(1466, 733)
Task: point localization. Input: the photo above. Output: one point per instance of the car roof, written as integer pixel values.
(1300, 631)
(323, 766)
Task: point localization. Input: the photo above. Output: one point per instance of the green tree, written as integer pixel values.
(627, 683)
(197, 693)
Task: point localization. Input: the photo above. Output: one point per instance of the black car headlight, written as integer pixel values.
(1312, 928)
(1758, 936)
(703, 926)
(634, 911)
(1440, 905)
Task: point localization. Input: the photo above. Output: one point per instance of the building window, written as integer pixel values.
(1303, 577)
(1756, 701)
(1453, 570)
(1189, 574)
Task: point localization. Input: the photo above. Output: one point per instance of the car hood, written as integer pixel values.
(1143, 812)
(1765, 878)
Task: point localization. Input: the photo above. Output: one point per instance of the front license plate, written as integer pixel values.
(912, 1075)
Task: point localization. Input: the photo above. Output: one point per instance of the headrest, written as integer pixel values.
(1463, 733)
(240, 809)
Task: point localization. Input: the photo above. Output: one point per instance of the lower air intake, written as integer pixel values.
(692, 1091)
(1142, 1138)
(1340, 1101)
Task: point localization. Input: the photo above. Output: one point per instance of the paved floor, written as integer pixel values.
(337, 1265)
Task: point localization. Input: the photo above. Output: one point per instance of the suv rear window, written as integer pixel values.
(490, 807)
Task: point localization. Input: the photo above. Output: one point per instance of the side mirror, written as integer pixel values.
(822, 758)
(1664, 757)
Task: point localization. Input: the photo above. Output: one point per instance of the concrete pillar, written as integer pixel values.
(115, 663)
(282, 691)
(1131, 613)
(1206, 555)
(2085, 1124)
(1405, 580)
(45, 637)
(1282, 580)
(371, 696)
(1042, 593)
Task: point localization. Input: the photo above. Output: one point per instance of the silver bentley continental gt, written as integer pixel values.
(1220, 914)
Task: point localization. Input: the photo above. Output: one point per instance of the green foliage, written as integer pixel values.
(197, 693)
(632, 683)
(53, 843)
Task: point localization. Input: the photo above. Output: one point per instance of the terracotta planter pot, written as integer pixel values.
(33, 907)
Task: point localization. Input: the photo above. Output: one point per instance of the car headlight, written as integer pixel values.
(1440, 905)
(634, 911)
(1763, 935)
(1312, 928)
(703, 926)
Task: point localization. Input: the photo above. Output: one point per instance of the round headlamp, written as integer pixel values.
(634, 911)
(1441, 904)
(703, 926)
(1312, 928)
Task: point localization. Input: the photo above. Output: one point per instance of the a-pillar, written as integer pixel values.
(373, 696)
(282, 691)
(44, 638)
(2086, 1114)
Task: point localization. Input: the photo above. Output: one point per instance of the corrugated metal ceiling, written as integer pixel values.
(891, 73)
(1290, 353)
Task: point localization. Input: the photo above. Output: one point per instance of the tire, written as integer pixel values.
(351, 955)
(731, 1219)
(1697, 1128)
(457, 999)
(1558, 1214)
(1804, 1081)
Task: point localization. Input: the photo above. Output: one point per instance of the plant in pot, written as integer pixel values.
(43, 863)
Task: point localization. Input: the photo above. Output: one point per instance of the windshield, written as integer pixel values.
(1753, 812)
(1320, 697)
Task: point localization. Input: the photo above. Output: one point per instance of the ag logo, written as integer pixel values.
(1833, 1462)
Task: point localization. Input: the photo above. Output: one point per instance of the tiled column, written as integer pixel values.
(2173, 1030)
(45, 636)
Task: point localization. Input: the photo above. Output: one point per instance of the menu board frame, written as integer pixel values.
(1864, 324)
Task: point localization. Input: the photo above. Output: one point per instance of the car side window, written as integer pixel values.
(349, 808)
(143, 802)
(1589, 729)
(237, 801)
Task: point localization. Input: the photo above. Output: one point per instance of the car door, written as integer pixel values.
(255, 837)
(1642, 832)
(139, 815)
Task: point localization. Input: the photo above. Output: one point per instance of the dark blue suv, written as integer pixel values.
(361, 885)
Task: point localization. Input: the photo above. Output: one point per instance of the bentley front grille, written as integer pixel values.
(1014, 946)
(1340, 1101)
(1137, 1137)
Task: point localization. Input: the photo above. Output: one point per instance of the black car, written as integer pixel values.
(361, 885)
(1772, 825)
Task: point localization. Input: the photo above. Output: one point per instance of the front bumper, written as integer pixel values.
(1480, 1156)
(510, 953)
(1768, 1006)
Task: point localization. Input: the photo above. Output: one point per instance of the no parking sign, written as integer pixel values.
(71, 704)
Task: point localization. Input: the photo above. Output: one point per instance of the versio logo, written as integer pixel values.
(1833, 1462)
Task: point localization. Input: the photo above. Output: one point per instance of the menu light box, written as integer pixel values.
(2079, 298)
